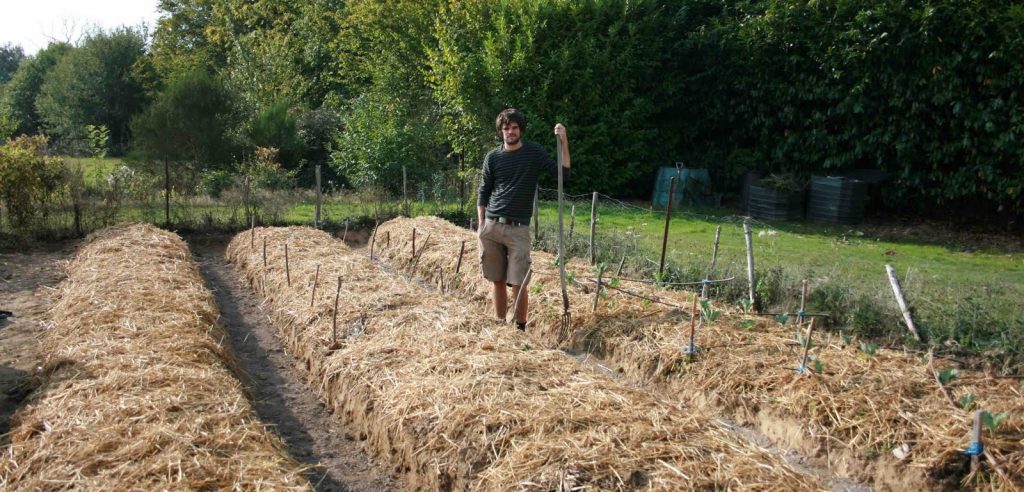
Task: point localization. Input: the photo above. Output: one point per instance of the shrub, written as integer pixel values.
(28, 179)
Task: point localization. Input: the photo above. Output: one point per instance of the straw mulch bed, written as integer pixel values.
(852, 415)
(137, 393)
(455, 401)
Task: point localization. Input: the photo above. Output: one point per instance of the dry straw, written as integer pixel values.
(456, 401)
(851, 416)
(137, 392)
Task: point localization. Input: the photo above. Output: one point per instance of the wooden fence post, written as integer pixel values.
(405, 192)
(597, 292)
(316, 218)
(536, 214)
(593, 227)
(668, 219)
(898, 292)
(572, 221)
(751, 279)
(714, 260)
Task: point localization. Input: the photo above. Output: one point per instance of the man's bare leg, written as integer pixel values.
(500, 299)
(524, 301)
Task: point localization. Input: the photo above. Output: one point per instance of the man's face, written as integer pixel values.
(510, 133)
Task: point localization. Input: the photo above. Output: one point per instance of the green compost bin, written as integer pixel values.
(693, 187)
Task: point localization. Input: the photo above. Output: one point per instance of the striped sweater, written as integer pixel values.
(510, 177)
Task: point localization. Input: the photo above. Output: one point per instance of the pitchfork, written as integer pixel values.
(566, 320)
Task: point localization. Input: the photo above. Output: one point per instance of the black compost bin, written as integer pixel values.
(771, 204)
(836, 200)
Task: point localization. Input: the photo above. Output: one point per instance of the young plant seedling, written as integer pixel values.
(967, 401)
(707, 312)
(948, 376)
(782, 319)
(746, 305)
(868, 350)
(993, 422)
(747, 324)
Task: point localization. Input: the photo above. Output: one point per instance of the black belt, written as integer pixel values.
(508, 221)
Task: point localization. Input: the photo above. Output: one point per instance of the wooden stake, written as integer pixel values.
(618, 272)
(714, 260)
(593, 226)
(264, 253)
(252, 234)
(751, 278)
(387, 239)
(668, 218)
(316, 218)
(976, 440)
(462, 251)
(898, 292)
(803, 299)
(344, 235)
(691, 349)
(807, 345)
(334, 321)
(413, 253)
(373, 238)
(597, 292)
(287, 268)
(316, 278)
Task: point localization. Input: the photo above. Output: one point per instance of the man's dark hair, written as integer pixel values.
(510, 115)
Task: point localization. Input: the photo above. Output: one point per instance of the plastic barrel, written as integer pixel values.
(836, 200)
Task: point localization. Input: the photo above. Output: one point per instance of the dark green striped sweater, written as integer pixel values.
(509, 179)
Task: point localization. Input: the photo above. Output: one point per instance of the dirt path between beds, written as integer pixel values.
(28, 282)
(279, 392)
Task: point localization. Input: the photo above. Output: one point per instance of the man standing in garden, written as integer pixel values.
(504, 206)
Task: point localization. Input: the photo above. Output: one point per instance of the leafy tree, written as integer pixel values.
(94, 84)
(187, 122)
(10, 57)
(18, 105)
(276, 127)
(180, 43)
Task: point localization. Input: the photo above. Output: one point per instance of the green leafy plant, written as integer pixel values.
(536, 288)
(708, 313)
(747, 324)
(868, 350)
(645, 303)
(967, 401)
(993, 422)
(614, 282)
(746, 305)
(818, 366)
(948, 375)
(782, 318)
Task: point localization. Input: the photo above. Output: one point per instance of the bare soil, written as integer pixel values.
(281, 397)
(28, 282)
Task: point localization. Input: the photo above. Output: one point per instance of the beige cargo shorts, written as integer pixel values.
(504, 252)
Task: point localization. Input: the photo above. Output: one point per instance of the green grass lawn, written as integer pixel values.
(95, 170)
(965, 294)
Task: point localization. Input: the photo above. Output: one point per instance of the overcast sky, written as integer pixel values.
(34, 23)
